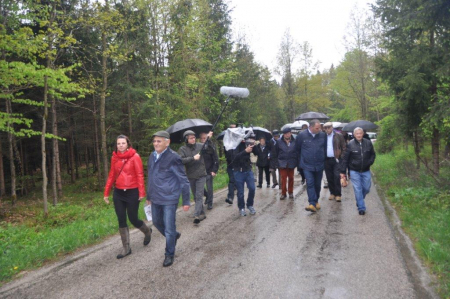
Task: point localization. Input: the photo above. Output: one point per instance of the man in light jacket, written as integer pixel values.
(167, 180)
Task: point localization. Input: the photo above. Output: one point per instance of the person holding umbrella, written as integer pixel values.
(195, 170)
(212, 166)
(358, 157)
(127, 176)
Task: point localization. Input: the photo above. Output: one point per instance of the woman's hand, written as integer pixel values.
(106, 199)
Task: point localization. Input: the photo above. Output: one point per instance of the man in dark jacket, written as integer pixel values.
(273, 161)
(166, 181)
(262, 151)
(231, 181)
(195, 171)
(212, 166)
(242, 171)
(287, 161)
(311, 148)
(359, 156)
(336, 146)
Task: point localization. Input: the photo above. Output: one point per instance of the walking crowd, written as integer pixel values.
(317, 148)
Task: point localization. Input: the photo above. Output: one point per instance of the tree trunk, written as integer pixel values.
(97, 147)
(103, 108)
(435, 142)
(417, 148)
(43, 151)
(2, 174)
(11, 155)
(56, 160)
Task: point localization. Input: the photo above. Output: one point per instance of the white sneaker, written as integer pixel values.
(242, 212)
(252, 210)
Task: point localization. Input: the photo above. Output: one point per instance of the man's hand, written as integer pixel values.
(148, 202)
(343, 176)
(185, 208)
(106, 199)
(213, 174)
(197, 157)
(210, 134)
(249, 148)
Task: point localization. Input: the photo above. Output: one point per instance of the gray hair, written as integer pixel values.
(356, 129)
(313, 122)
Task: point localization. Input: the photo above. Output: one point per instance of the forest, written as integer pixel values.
(75, 74)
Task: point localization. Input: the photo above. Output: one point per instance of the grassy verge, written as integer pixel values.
(424, 208)
(28, 239)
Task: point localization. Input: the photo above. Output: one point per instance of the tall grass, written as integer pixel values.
(28, 239)
(424, 208)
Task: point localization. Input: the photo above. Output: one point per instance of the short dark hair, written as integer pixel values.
(122, 137)
(313, 122)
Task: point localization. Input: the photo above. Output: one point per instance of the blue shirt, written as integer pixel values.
(330, 151)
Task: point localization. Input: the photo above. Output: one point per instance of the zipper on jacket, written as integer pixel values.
(362, 155)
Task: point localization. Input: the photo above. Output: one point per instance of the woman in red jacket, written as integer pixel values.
(127, 173)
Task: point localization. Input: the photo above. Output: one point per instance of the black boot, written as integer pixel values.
(125, 236)
(147, 233)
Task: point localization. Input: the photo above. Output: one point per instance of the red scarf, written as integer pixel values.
(126, 155)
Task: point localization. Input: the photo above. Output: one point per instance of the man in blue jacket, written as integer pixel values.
(166, 181)
(311, 149)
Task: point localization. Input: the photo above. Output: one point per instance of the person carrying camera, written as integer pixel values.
(242, 171)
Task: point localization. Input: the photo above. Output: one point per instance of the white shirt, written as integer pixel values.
(330, 151)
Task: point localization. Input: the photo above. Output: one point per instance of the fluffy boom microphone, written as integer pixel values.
(234, 92)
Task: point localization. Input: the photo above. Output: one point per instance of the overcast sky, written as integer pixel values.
(322, 23)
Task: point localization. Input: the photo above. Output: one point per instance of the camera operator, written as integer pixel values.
(242, 171)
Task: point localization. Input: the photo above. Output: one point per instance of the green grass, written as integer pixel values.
(28, 239)
(424, 208)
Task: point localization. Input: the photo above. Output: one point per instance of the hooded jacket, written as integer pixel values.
(127, 172)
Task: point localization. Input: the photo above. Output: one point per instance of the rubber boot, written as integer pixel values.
(147, 233)
(125, 236)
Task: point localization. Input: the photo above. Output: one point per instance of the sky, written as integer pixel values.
(322, 23)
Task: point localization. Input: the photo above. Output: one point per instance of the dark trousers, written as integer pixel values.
(274, 176)
(285, 175)
(333, 176)
(127, 202)
(231, 182)
(313, 185)
(260, 175)
(302, 173)
(209, 191)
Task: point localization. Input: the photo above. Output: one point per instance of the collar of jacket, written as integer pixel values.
(191, 146)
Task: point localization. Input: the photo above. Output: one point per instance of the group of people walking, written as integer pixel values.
(172, 174)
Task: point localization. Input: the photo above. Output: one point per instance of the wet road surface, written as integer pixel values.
(281, 252)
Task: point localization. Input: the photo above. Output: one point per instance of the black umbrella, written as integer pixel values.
(197, 125)
(260, 132)
(363, 124)
(313, 115)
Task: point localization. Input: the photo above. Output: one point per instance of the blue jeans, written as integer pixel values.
(231, 182)
(164, 217)
(244, 177)
(313, 185)
(361, 185)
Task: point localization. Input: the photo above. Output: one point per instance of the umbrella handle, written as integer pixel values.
(215, 123)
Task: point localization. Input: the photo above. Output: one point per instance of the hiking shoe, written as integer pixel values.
(210, 206)
(283, 196)
(311, 208)
(242, 212)
(317, 206)
(274, 185)
(202, 217)
(362, 213)
(331, 197)
(291, 195)
(229, 201)
(197, 220)
(338, 199)
(252, 210)
(259, 186)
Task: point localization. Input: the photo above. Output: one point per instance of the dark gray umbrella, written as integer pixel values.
(197, 125)
(363, 124)
(312, 115)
